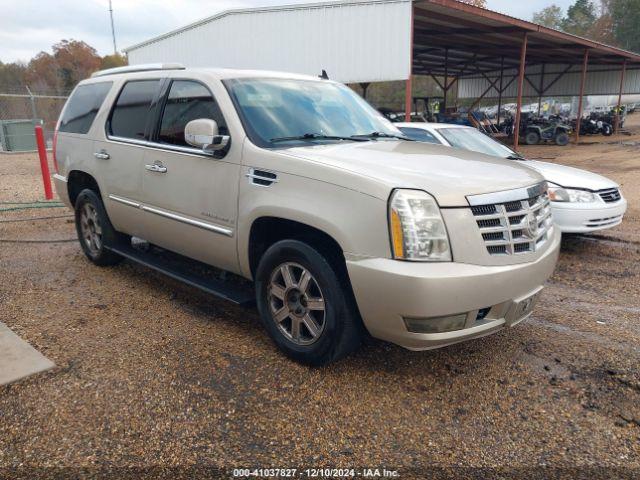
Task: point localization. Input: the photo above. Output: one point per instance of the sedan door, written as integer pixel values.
(191, 197)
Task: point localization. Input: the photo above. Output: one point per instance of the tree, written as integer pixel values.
(113, 61)
(11, 76)
(580, 18)
(550, 16)
(625, 23)
(76, 61)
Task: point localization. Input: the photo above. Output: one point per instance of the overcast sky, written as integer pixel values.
(30, 26)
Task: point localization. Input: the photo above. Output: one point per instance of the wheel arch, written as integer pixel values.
(78, 180)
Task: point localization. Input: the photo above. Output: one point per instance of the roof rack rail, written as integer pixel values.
(149, 67)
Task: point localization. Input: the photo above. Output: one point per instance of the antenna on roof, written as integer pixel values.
(324, 75)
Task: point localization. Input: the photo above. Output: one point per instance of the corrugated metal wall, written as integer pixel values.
(598, 82)
(353, 42)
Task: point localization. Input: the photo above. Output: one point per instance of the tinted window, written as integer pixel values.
(83, 107)
(187, 101)
(132, 110)
(419, 135)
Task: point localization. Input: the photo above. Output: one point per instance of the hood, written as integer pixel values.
(570, 177)
(447, 174)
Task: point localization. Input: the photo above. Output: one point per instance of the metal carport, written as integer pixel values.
(461, 43)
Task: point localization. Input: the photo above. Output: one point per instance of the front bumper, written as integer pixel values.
(587, 217)
(388, 291)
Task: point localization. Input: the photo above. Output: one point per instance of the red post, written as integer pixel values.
(523, 60)
(44, 163)
(583, 81)
(624, 69)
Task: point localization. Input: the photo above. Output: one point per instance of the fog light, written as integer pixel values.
(436, 324)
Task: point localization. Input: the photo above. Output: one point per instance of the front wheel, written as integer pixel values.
(607, 130)
(304, 305)
(562, 139)
(532, 138)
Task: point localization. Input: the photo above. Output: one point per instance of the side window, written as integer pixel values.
(83, 107)
(131, 112)
(419, 135)
(187, 100)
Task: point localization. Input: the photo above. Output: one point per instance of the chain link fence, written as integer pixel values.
(21, 110)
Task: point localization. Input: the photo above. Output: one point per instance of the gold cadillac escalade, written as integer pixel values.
(343, 225)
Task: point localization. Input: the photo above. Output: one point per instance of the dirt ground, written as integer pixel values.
(152, 374)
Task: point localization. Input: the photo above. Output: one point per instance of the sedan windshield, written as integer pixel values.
(475, 141)
(279, 112)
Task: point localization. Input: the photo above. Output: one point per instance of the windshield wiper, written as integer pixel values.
(382, 135)
(315, 136)
(515, 156)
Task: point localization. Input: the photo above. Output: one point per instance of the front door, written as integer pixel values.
(190, 198)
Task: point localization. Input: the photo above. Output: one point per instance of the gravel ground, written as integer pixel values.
(154, 375)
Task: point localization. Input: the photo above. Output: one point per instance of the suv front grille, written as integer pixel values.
(610, 195)
(515, 227)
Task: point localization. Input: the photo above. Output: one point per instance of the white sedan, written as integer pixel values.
(581, 201)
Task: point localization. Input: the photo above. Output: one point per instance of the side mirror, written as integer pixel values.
(203, 133)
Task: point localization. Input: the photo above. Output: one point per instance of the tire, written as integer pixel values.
(532, 138)
(562, 139)
(95, 230)
(607, 130)
(285, 305)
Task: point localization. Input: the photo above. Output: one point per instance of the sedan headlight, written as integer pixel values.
(417, 230)
(571, 195)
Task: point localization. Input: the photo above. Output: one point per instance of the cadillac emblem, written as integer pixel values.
(531, 228)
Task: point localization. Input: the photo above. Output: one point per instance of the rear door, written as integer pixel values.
(191, 198)
(119, 157)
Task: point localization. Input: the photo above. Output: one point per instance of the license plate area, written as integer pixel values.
(522, 307)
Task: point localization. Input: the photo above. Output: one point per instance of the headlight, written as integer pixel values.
(560, 194)
(417, 229)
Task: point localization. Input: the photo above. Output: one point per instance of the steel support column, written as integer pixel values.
(583, 81)
(500, 90)
(622, 74)
(541, 89)
(446, 79)
(516, 124)
(408, 94)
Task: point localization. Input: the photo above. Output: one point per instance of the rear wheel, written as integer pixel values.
(95, 230)
(304, 305)
(532, 138)
(562, 138)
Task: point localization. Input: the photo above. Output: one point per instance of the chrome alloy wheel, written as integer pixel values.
(296, 303)
(90, 228)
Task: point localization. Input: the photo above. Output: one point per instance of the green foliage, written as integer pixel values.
(625, 18)
(580, 18)
(614, 22)
(113, 61)
(550, 16)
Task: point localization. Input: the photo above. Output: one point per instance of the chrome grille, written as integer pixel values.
(610, 195)
(514, 227)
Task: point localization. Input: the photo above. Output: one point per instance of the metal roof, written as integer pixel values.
(475, 40)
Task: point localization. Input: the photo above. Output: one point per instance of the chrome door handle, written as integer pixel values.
(102, 155)
(154, 167)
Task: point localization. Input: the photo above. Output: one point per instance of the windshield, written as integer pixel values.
(476, 141)
(279, 112)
